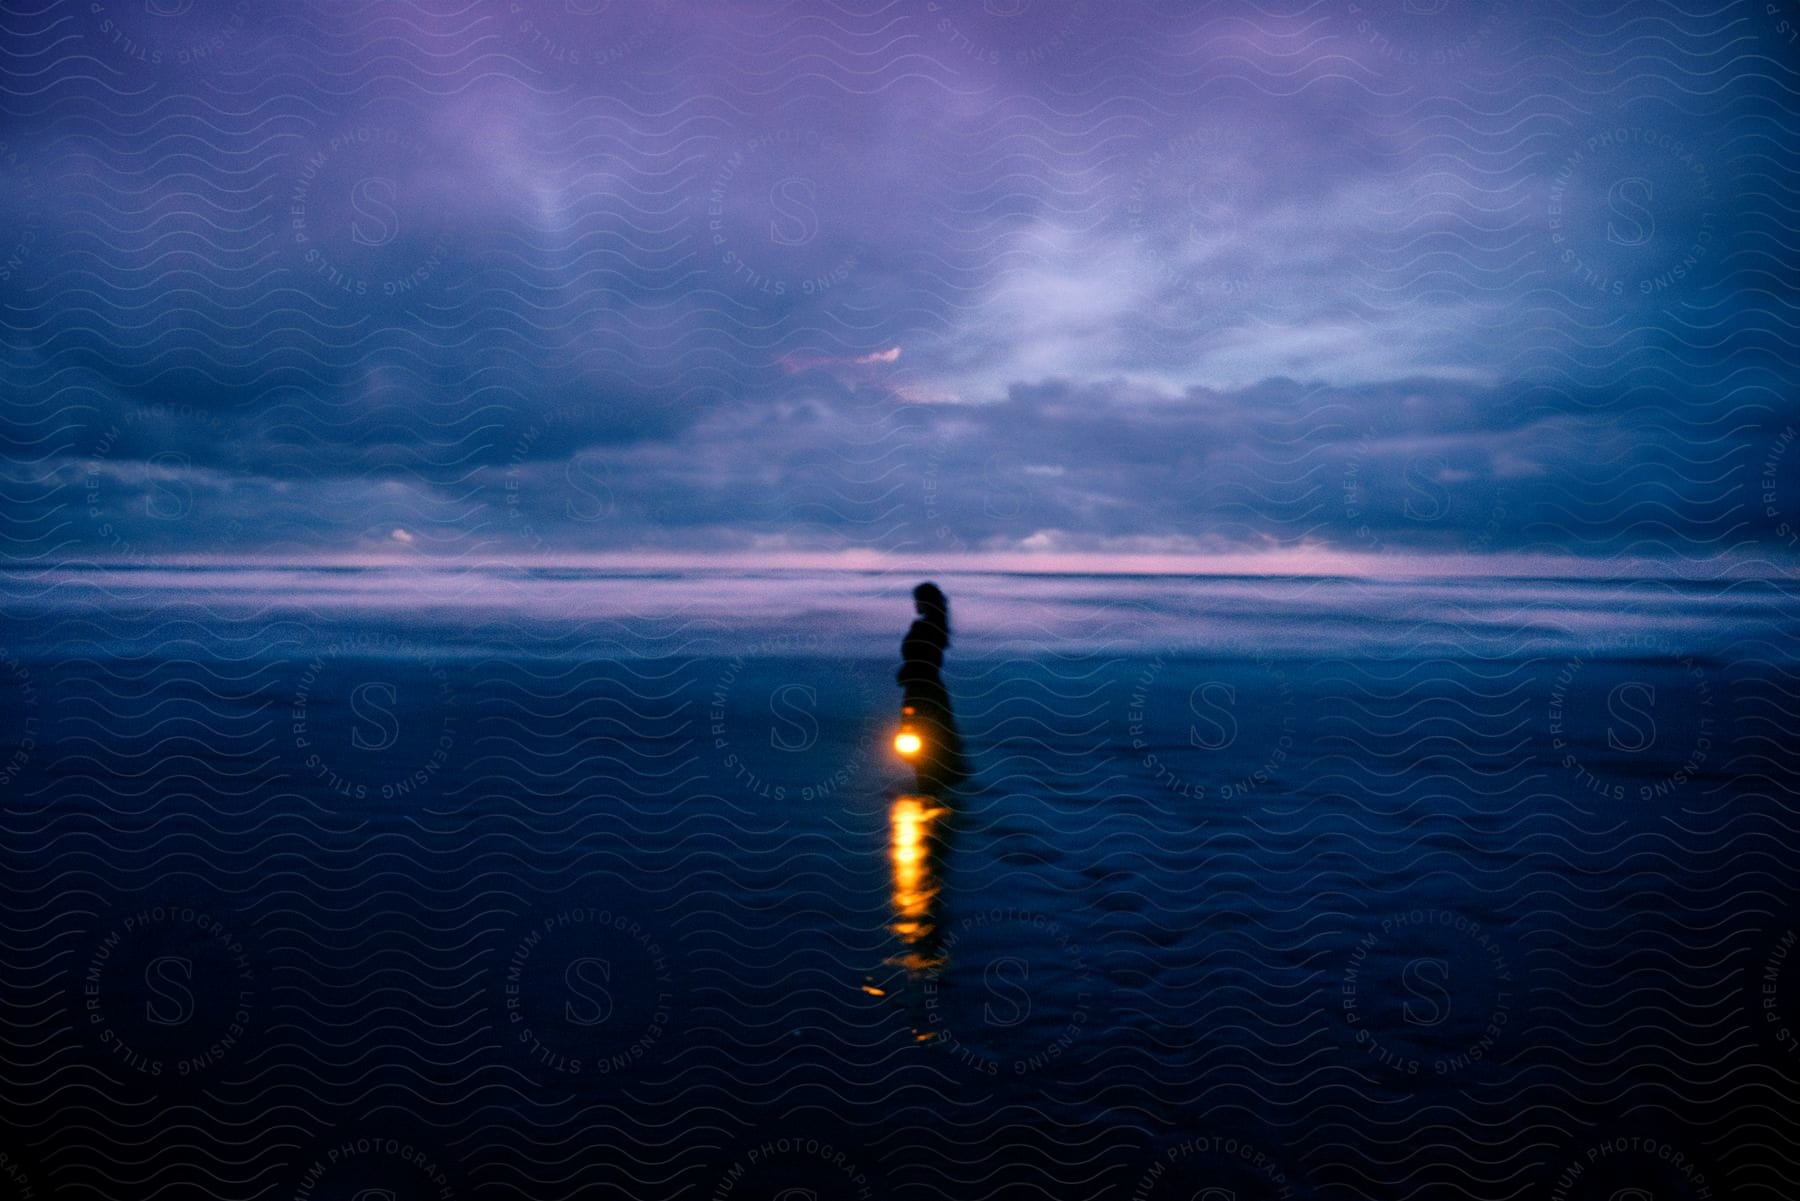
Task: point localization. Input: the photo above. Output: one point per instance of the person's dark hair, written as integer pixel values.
(934, 607)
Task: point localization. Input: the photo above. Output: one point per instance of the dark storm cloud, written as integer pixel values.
(523, 276)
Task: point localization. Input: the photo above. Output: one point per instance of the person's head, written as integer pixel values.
(930, 603)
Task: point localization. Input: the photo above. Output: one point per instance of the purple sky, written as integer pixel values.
(528, 278)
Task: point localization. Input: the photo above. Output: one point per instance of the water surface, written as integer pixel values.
(554, 881)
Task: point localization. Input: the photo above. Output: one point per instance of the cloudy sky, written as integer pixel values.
(541, 278)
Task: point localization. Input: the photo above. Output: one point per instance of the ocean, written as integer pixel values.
(474, 881)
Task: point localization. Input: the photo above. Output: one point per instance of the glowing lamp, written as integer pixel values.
(908, 743)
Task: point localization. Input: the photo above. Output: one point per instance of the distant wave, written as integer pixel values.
(453, 612)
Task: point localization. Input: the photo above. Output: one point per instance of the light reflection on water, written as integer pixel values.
(914, 851)
(918, 844)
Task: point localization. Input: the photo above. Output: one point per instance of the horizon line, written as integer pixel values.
(1294, 562)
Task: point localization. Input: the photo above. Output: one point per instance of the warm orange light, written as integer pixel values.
(907, 742)
(915, 884)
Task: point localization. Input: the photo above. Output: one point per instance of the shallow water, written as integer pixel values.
(1281, 888)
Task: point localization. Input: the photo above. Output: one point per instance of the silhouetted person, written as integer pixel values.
(940, 764)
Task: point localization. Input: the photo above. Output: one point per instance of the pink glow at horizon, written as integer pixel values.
(1297, 561)
(853, 612)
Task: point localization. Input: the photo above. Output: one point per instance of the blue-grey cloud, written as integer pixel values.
(524, 276)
